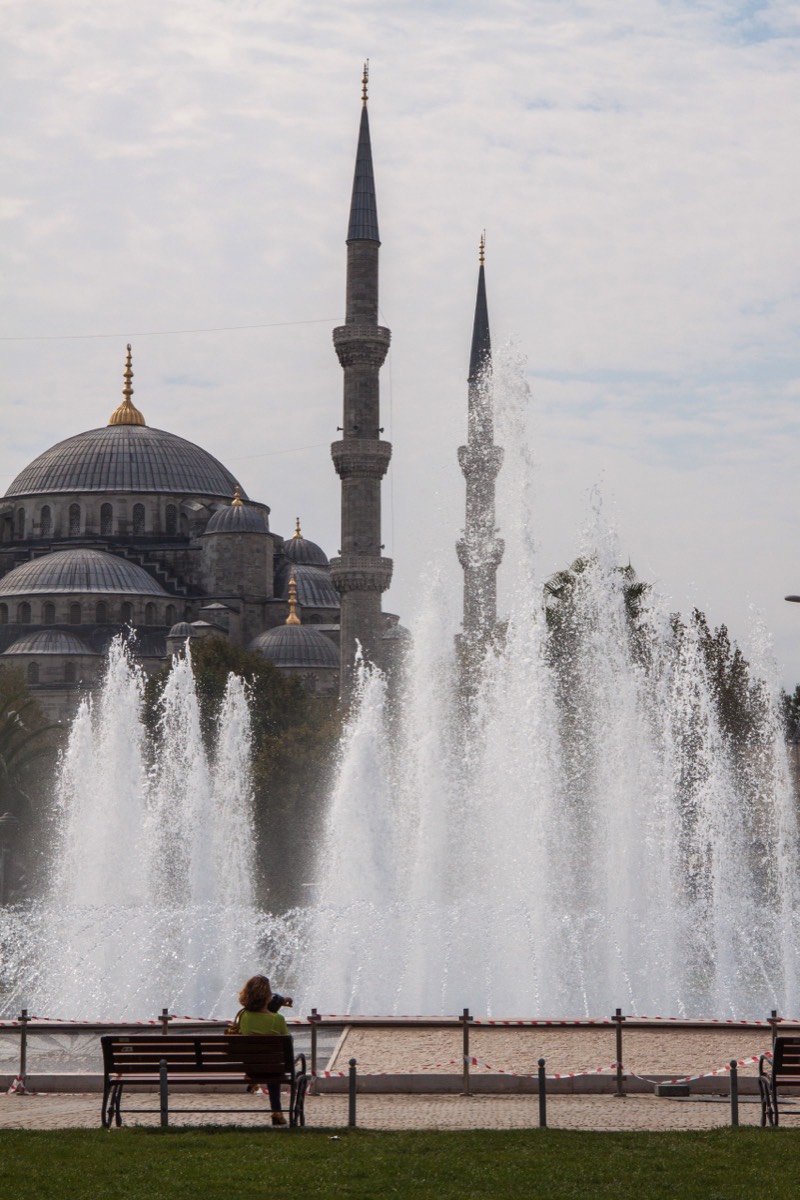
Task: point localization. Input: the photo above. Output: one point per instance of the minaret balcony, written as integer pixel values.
(361, 573)
(482, 462)
(361, 458)
(362, 345)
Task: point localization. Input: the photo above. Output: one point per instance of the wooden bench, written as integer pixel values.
(148, 1060)
(780, 1073)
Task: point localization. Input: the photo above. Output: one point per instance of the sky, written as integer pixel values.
(178, 175)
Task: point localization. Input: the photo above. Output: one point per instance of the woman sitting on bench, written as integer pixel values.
(259, 1015)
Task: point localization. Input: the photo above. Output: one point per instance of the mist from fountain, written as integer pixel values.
(151, 900)
(581, 832)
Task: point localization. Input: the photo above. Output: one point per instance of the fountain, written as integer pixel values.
(575, 830)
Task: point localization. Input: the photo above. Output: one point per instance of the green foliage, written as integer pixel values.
(27, 743)
(523, 1164)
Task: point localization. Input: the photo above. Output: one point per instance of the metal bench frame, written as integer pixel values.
(781, 1072)
(157, 1060)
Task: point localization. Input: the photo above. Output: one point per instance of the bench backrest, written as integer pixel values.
(258, 1057)
(786, 1058)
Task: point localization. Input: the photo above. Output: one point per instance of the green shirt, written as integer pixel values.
(262, 1022)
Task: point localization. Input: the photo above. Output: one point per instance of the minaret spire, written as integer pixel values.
(480, 550)
(361, 459)
(127, 413)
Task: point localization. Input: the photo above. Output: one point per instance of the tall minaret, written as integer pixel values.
(480, 550)
(361, 459)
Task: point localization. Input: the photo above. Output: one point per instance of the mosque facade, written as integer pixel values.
(130, 529)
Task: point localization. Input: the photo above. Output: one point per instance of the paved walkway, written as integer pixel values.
(70, 1111)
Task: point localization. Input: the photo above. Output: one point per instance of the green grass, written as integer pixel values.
(225, 1164)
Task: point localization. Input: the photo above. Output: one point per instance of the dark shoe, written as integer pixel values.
(279, 1119)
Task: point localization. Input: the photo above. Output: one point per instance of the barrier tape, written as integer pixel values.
(476, 1062)
(18, 1088)
(741, 1062)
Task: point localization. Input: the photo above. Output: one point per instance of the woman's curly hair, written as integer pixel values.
(255, 994)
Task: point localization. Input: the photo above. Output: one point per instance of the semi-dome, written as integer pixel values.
(314, 586)
(303, 552)
(181, 630)
(49, 641)
(125, 458)
(296, 646)
(79, 570)
(237, 518)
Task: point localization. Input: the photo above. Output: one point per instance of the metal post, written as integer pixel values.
(351, 1107)
(618, 1019)
(312, 1020)
(542, 1096)
(734, 1093)
(465, 1018)
(165, 1021)
(164, 1093)
(23, 1045)
(773, 1022)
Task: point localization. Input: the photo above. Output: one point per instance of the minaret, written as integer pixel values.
(480, 550)
(361, 459)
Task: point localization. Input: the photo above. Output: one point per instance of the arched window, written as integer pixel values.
(74, 614)
(106, 520)
(170, 617)
(127, 614)
(138, 518)
(74, 520)
(69, 672)
(101, 613)
(172, 520)
(47, 521)
(49, 614)
(24, 613)
(33, 672)
(20, 522)
(3, 614)
(150, 614)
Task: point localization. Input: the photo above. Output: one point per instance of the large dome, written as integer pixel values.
(125, 458)
(79, 571)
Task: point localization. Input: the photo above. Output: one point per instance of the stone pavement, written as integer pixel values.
(72, 1111)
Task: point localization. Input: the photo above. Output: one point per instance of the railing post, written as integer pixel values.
(163, 1093)
(773, 1022)
(165, 1019)
(618, 1019)
(465, 1018)
(313, 1021)
(351, 1106)
(23, 1045)
(542, 1096)
(734, 1093)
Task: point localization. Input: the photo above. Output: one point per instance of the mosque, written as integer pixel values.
(130, 528)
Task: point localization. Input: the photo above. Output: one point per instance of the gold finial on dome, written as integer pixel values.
(292, 618)
(364, 82)
(126, 414)
(237, 500)
(482, 249)
(297, 532)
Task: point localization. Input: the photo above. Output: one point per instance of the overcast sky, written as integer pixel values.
(187, 166)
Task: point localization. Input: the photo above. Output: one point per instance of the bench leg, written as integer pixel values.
(767, 1117)
(164, 1093)
(105, 1110)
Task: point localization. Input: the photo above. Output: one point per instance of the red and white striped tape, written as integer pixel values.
(741, 1062)
(476, 1062)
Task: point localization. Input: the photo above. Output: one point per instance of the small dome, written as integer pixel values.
(237, 518)
(296, 646)
(314, 586)
(303, 552)
(79, 570)
(49, 641)
(182, 630)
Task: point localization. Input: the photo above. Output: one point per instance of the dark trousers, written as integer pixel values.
(274, 1090)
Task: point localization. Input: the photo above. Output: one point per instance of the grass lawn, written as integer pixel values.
(212, 1164)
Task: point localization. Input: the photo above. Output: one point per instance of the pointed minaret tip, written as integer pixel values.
(292, 618)
(365, 83)
(297, 532)
(363, 221)
(237, 501)
(482, 249)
